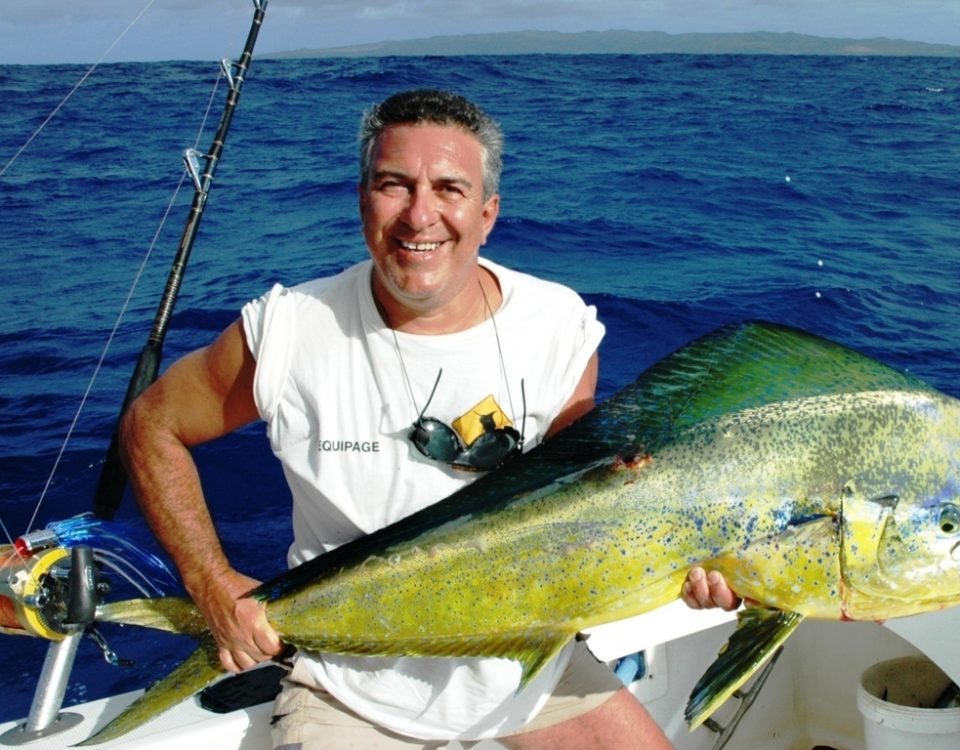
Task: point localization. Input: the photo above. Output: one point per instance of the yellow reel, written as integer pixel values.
(26, 586)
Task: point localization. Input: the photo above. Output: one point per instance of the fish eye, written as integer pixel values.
(950, 519)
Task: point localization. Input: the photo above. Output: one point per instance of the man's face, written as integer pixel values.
(424, 215)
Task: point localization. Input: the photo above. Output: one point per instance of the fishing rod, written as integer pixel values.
(113, 476)
(52, 581)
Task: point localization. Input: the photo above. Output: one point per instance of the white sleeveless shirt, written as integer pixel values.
(339, 393)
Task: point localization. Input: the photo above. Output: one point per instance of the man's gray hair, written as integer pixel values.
(438, 108)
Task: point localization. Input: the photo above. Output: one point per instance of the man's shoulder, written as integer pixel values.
(307, 303)
(324, 287)
(526, 288)
(313, 313)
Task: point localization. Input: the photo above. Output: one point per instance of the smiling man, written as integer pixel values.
(425, 215)
(440, 365)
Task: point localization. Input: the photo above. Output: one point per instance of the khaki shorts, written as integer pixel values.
(307, 717)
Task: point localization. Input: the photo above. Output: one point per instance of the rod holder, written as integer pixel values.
(45, 717)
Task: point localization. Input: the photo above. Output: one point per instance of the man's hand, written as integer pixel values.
(237, 622)
(704, 590)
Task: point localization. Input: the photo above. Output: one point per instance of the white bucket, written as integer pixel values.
(895, 698)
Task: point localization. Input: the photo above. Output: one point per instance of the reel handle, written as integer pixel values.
(84, 576)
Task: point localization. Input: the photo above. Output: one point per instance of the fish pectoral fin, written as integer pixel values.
(760, 632)
(173, 614)
(200, 669)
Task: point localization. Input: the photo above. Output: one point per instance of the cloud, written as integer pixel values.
(388, 10)
(80, 31)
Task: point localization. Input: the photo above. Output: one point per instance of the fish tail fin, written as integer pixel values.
(200, 669)
(170, 613)
(760, 632)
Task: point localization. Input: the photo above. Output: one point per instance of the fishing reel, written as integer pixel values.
(47, 590)
(51, 586)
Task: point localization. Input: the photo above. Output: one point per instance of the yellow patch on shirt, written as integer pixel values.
(486, 416)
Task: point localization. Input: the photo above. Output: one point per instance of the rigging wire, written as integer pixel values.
(72, 91)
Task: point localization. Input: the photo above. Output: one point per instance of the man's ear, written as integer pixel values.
(362, 198)
(491, 209)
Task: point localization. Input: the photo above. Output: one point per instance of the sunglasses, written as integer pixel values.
(437, 440)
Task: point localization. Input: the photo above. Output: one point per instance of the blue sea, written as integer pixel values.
(676, 193)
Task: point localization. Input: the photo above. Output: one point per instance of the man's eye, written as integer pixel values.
(390, 186)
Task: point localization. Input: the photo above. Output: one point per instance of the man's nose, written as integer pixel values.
(422, 208)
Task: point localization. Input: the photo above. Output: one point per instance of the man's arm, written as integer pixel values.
(201, 397)
(581, 401)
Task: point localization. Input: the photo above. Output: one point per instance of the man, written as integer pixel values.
(480, 360)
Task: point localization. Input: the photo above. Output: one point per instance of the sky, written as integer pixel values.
(89, 31)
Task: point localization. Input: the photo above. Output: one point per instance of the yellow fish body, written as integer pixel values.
(820, 482)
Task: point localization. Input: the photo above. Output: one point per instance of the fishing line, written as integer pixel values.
(14, 552)
(78, 84)
(116, 326)
(3, 170)
(112, 476)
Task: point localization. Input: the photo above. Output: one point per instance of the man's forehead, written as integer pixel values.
(431, 142)
(423, 131)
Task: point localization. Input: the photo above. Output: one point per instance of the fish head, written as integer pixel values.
(900, 547)
(918, 559)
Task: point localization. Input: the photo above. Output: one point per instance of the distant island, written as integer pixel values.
(630, 43)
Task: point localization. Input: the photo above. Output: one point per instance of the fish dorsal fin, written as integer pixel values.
(745, 366)
(760, 632)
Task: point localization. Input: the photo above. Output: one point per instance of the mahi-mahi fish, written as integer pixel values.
(820, 482)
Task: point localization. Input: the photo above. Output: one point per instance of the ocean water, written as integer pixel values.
(676, 193)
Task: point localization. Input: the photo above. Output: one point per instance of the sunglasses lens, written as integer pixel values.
(489, 450)
(435, 440)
